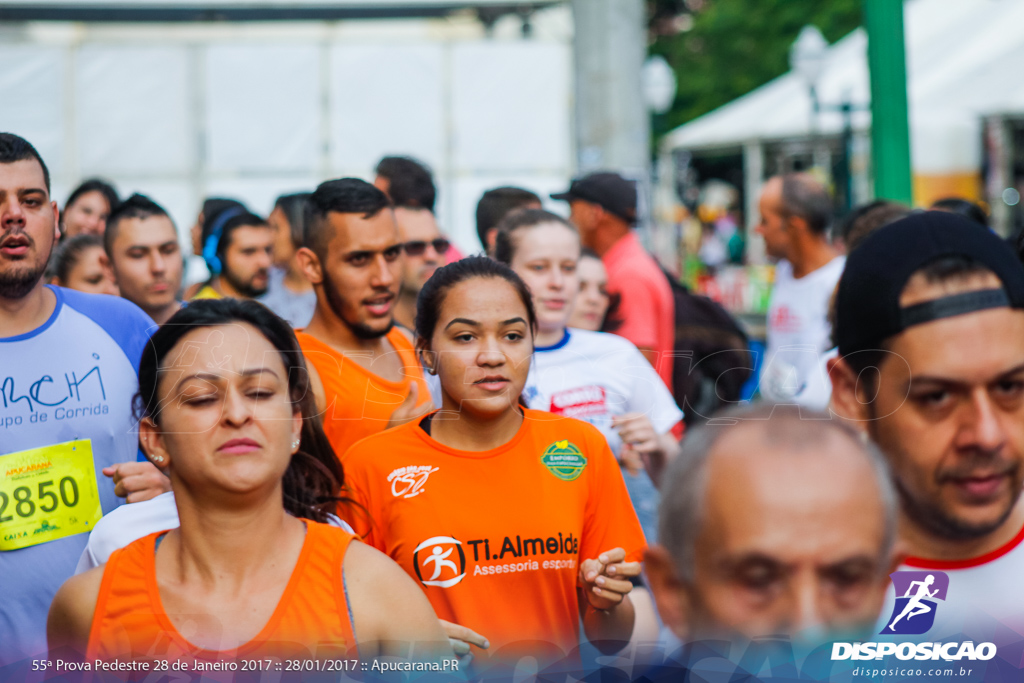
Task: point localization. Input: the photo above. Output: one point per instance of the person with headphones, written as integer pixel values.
(238, 250)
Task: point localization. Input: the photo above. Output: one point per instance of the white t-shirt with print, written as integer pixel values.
(594, 376)
(798, 329)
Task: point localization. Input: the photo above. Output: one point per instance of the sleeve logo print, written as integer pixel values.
(916, 593)
(407, 482)
(564, 460)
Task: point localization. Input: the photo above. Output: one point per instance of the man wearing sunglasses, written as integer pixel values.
(425, 251)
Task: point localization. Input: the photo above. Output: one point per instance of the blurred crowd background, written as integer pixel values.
(699, 100)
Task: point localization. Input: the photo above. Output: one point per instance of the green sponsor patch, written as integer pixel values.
(564, 460)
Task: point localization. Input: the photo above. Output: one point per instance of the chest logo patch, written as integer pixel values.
(564, 460)
(407, 482)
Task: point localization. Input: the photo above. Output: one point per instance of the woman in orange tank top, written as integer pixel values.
(253, 572)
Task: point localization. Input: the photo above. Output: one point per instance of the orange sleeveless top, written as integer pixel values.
(312, 618)
(360, 402)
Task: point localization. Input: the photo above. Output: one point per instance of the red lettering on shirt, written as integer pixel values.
(579, 402)
(784, 320)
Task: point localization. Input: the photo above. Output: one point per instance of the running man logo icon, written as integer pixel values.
(916, 595)
(436, 558)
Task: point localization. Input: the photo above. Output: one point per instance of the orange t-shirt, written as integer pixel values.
(360, 403)
(495, 538)
(311, 620)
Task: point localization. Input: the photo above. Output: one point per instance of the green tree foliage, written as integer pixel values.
(734, 46)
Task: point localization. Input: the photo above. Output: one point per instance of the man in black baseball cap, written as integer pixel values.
(610, 191)
(603, 209)
(930, 330)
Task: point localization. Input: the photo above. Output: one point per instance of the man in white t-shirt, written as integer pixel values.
(795, 213)
(930, 328)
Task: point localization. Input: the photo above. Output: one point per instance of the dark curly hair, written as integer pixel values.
(343, 195)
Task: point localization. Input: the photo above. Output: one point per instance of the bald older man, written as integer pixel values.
(796, 211)
(774, 525)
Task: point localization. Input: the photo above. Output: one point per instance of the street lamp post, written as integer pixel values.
(807, 59)
(658, 87)
(658, 84)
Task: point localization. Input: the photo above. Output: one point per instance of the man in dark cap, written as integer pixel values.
(603, 208)
(930, 330)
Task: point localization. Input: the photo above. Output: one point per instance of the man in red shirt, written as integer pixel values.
(603, 209)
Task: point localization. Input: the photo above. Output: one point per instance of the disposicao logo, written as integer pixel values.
(916, 595)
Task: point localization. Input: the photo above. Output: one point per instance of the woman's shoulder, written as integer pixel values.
(84, 597)
(73, 610)
(376, 446)
(368, 564)
(332, 525)
(377, 590)
(126, 524)
(80, 592)
(601, 345)
(550, 424)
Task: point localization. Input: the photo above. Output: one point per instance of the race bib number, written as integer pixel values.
(47, 493)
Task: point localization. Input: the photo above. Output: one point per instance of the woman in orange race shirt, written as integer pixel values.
(253, 572)
(515, 523)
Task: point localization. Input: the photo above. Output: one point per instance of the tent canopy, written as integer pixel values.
(963, 62)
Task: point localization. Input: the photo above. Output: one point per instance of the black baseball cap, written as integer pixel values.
(610, 191)
(868, 302)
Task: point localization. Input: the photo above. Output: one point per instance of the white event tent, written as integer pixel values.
(246, 105)
(964, 64)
